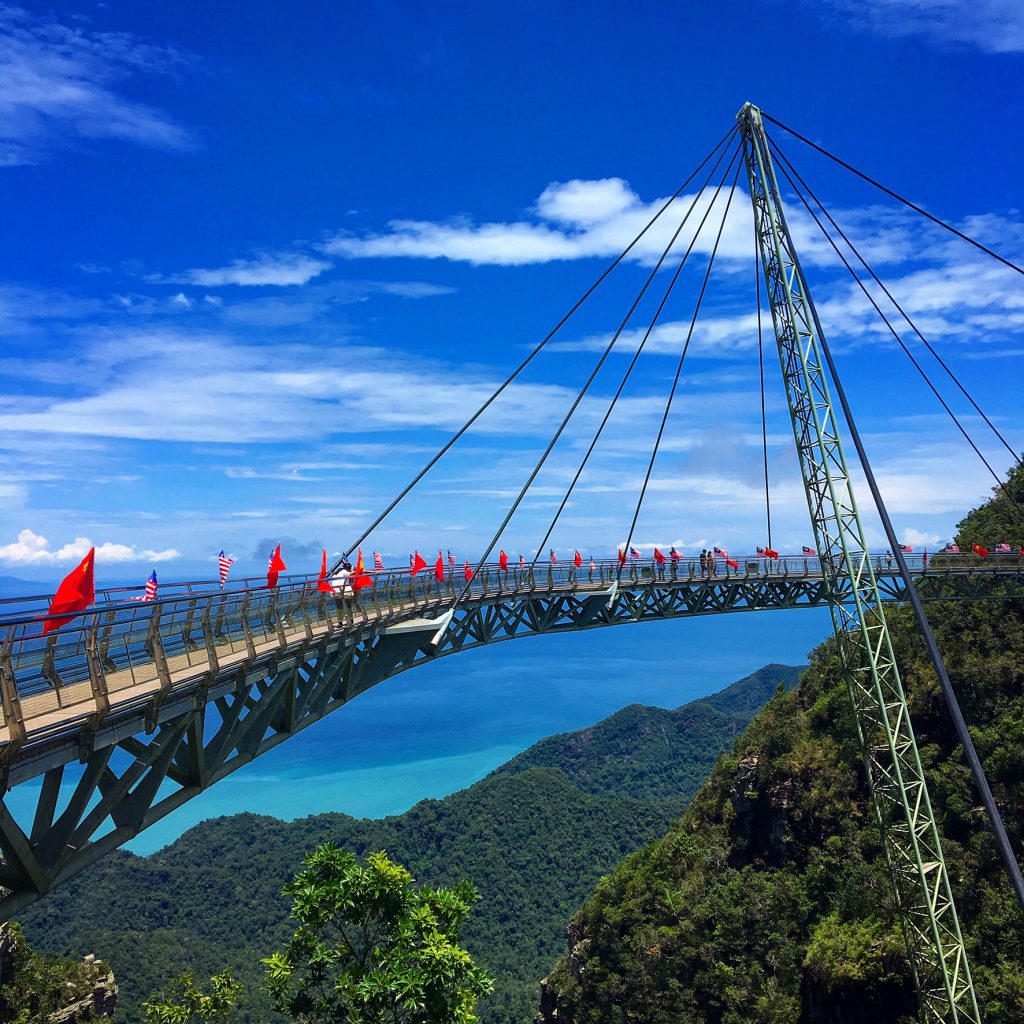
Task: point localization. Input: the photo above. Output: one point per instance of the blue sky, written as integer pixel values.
(257, 262)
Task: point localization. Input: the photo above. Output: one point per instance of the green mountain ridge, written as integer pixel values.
(534, 838)
(769, 901)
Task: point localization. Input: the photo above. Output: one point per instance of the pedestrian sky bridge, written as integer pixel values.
(134, 707)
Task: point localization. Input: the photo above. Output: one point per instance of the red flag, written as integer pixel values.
(979, 550)
(578, 559)
(322, 582)
(76, 592)
(439, 568)
(622, 557)
(360, 580)
(502, 560)
(467, 571)
(729, 561)
(659, 557)
(276, 567)
(417, 564)
(1021, 552)
(770, 553)
(360, 568)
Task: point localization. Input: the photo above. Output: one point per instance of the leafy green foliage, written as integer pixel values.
(35, 986)
(185, 1003)
(996, 521)
(769, 900)
(369, 948)
(534, 841)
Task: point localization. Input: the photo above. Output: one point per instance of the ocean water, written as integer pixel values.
(444, 725)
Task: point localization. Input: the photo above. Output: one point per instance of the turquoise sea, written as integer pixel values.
(443, 726)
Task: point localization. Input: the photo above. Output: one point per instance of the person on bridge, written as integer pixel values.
(703, 562)
(341, 581)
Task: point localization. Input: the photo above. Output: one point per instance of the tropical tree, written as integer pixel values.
(370, 948)
(186, 1003)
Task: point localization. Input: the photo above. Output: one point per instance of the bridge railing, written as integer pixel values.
(118, 649)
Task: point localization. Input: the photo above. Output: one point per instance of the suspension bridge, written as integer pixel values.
(134, 708)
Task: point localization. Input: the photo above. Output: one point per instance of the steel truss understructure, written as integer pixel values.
(143, 759)
(910, 834)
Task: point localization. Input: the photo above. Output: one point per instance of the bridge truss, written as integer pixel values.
(138, 710)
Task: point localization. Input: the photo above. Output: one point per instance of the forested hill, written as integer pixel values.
(768, 901)
(652, 752)
(534, 837)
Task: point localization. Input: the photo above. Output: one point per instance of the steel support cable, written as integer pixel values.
(536, 351)
(881, 284)
(977, 770)
(636, 356)
(575, 404)
(899, 340)
(679, 371)
(760, 363)
(895, 195)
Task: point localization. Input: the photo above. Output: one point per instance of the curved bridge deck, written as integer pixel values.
(160, 700)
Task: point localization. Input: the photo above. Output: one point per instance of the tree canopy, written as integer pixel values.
(372, 949)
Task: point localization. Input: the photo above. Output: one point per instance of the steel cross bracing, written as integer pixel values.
(136, 710)
(900, 795)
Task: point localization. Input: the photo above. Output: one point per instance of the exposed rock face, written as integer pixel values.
(99, 1003)
(760, 827)
(55, 992)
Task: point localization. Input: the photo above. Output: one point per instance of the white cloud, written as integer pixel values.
(919, 538)
(209, 387)
(33, 549)
(182, 300)
(993, 26)
(280, 270)
(582, 203)
(581, 219)
(59, 85)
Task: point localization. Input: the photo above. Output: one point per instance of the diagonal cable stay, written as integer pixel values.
(572, 408)
(625, 377)
(895, 195)
(924, 376)
(535, 352)
(888, 294)
(679, 371)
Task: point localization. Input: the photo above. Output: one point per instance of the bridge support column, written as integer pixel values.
(909, 830)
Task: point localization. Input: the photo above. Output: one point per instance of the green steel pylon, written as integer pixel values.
(900, 796)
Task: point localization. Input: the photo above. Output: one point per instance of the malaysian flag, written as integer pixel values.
(906, 549)
(553, 557)
(149, 594)
(378, 561)
(721, 552)
(952, 549)
(1003, 549)
(633, 553)
(451, 559)
(760, 551)
(674, 555)
(809, 551)
(224, 564)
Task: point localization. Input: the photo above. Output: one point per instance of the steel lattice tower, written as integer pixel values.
(899, 792)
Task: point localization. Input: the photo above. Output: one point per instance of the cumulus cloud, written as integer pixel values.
(919, 538)
(60, 84)
(34, 549)
(280, 270)
(580, 219)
